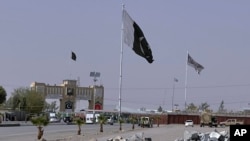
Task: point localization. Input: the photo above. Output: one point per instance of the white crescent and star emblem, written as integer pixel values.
(68, 105)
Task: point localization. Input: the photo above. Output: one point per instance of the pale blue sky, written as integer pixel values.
(37, 37)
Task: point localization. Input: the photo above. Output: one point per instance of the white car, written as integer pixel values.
(189, 123)
(110, 120)
(54, 119)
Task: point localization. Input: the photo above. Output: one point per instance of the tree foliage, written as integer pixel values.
(120, 120)
(40, 122)
(133, 120)
(26, 100)
(158, 118)
(159, 109)
(15, 101)
(2, 95)
(102, 120)
(79, 122)
(221, 107)
(191, 107)
(34, 102)
(204, 106)
(51, 107)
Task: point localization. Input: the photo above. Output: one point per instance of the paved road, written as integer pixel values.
(64, 132)
(54, 131)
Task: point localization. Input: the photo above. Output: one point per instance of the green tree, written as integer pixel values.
(204, 106)
(192, 108)
(142, 122)
(133, 119)
(35, 102)
(40, 122)
(8, 103)
(221, 107)
(120, 120)
(102, 120)
(79, 122)
(158, 118)
(17, 97)
(50, 107)
(1, 117)
(2, 95)
(159, 109)
(27, 100)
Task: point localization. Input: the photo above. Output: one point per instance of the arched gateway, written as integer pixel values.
(68, 92)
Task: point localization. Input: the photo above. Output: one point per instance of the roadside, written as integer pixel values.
(169, 132)
(164, 132)
(23, 123)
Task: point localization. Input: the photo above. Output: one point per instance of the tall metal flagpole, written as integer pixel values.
(121, 57)
(173, 97)
(175, 80)
(186, 82)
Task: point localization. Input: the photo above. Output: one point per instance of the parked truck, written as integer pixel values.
(207, 119)
(229, 122)
(145, 122)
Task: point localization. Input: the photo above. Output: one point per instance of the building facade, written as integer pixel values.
(69, 92)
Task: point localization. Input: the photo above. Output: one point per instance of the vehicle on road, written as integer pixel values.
(52, 117)
(207, 119)
(90, 119)
(146, 122)
(110, 119)
(67, 118)
(229, 122)
(189, 123)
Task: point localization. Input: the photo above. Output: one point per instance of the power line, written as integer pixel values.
(154, 88)
(190, 87)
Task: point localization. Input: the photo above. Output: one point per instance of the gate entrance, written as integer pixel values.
(69, 92)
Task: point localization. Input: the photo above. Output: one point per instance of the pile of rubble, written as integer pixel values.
(135, 137)
(210, 136)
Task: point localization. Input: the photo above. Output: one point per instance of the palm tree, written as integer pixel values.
(1, 117)
(142, 122)
(120, 122)
(204, 106)
(79, 122)
(40, 122)
(158, 118)
(102, 120)
(192, 108)
(133, 120)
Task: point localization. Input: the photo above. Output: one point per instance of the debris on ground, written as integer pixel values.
(209, 136)
(135, 137)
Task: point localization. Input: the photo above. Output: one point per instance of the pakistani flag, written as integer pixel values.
(191, 62)
(73, 56)
(175, 80)
(134, 38)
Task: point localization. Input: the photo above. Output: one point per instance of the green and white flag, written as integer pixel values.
(134, 38)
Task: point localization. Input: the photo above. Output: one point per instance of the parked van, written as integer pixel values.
(90, 118)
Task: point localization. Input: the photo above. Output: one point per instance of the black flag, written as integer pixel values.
(191, 62)
(73, 56)
(176, 80)
(134, 37)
